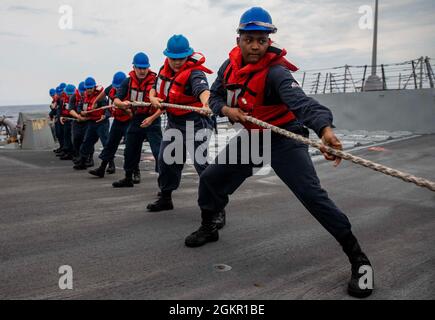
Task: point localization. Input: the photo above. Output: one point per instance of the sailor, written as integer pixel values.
(52, 113)
(78, 127)
(256, 80)
(53, 97)
(146, 122)
(57, 124)
(98, 124)
(69, 92)
(118, 129)
(181, 80)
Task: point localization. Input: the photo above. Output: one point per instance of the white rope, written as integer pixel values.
(421, 182)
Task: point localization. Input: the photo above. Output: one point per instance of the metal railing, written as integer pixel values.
(413, 74)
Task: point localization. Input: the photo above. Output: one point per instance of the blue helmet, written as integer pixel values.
(178, 47)
(82, 87)
(52, 92)
(256, 19)
(70, 89)
(141, 61)
(59, 90)
(118, 79)
(90, 83)
(62, 85)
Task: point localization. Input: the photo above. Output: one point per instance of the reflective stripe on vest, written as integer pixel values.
(167, 86)
(232, 97)
(136, 95)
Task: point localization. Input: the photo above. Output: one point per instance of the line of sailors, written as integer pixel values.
(256, 80)
(82, 116)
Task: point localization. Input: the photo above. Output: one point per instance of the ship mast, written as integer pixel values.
(373, 82)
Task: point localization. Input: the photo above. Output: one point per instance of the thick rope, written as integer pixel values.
(175, 106)
(421, 182)
(101, 108)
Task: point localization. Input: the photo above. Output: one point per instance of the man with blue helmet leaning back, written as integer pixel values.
(181, 80)
(52, 113)
(146, 122)
(80, 126)
(69, 92)
(57, 124)
(118, 130)
(256, 80)
(98, 123)
(52, 94)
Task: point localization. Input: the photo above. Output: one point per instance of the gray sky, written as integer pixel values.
(36, 54)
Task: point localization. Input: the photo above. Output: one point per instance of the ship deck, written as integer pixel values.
(52, 216)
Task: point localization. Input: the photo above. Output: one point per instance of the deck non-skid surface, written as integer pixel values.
(53, 216)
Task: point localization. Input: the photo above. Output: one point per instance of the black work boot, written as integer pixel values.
(76, 159)
(127, 182)
(100, 171)
(219, 219)
(208, 232)
(112, 168)
(61, 154)
(362, 279)
(90, 161)
(136, 176)
(81, 165)
(163, 203)
(67, 156)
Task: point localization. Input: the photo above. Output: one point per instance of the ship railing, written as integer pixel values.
(412, 74)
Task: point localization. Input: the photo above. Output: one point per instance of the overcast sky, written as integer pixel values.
(36, 54)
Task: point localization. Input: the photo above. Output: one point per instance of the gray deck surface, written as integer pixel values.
(52, 216)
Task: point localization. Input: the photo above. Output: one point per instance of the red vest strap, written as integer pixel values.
(245, 87)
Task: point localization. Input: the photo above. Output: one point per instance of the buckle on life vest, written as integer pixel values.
(249, 109)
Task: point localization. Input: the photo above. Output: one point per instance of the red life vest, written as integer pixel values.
(79, 101)
(53, 102)
(64, 111)
(171, 86)
(245, 87)
(78, 97)
(89, 100)
(139, 90)
(117, 113)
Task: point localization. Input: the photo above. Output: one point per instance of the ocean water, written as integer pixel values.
(14, 111)
(350, 139)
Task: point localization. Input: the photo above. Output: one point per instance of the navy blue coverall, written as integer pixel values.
(136, 135)
(58, 127)
(94, 132)
(78, 127)
(67, 134)
(170, 174)
(289, 159)
(118, 130)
